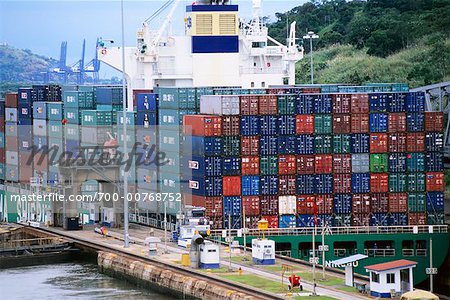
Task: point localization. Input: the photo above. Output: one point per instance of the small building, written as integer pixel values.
(209, 256)
(348, 263)
(395, 277)
(263, 251)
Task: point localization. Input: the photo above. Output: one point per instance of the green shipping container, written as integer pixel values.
(78, 99)
(72, 132)
(323, 124)
(341, 143)
(416, 182)
(268, 165)
(96, 118)
(286, 104)
(169, 182)
(397, 182)
(415, 162)
(72, 115)
(378, 163)
(416, 202)
(55, 111)
(173, 164)
(170, 141)
(323, 144)
(176, 98)
(231, 145)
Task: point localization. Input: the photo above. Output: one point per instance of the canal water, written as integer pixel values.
(68, 281)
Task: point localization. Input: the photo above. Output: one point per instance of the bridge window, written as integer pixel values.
(252, 84)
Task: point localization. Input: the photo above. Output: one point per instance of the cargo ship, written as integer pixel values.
(362, 164)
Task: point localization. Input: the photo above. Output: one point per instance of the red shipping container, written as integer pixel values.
(11, 100)
(361, 204)
(341, 124)
(216, 222)
(415, 142)
(360, 123)
(434, 121)
(323, 163)
(360, 103)
(378, 143)
(250, 145)
(249, 104)
(397, 142)
(25, 173)
(135, 92)
(287, 185)
(212, 205)
(231, 125)
(341, 103)
(379, 182)
(305, 204)
(417, 219)
(379, 202)
(324, 204)
(202, 125)
(2, 155)
(361, 220)
(287, 164)
(435, 182)
(305, 164)
(2, 124)
(40, 165)
(250, 165)
(251, 206)
(268, 105)
(398, 202)
(268, 205)
(304, 124)
(342, 183)
(272, 220)
(311, 90)
(11, 143)
(342, 163)
(397, 122)
(231, 186)
(25, 158)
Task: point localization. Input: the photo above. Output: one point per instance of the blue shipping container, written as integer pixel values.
(232, 206)
(434, 162)
(231, 166)
(415, 122)
(109, 95)
(324, 220)
(415, 102)
(40, 141)
(287, 221)
(306, 221)
(305, 105)
(397, 162)
(287, 144)
(235, 222)
(322, 104)
(146, 102)
(415, 162)
(146, 119)
(268, 145)
(305, 184)
(324, 184)
(199, 145)
(201, 166)
(250, 185)
(379, 102)
(342, 203)
(205, 186)
(379, 219)
(287, 125)
(360, 183)
(24, 111)
(397, 103)
(40, 110)
(434, 142)
(435, 202)
(305, 144)
(360, 143)
(249, 125)
(378, 123)
(268, 125)
(398, 219)
(268, 185)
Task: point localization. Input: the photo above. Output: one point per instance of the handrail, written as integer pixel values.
(379, 252)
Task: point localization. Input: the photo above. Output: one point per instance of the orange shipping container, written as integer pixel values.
(305, 124)
(435, 182)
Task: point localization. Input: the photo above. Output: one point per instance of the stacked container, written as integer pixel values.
(12, 134)
(3, 138)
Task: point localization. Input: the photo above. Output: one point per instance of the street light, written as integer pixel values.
(311, 35)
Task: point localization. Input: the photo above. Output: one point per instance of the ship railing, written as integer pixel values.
(342, 252)
(421, 252)
(379, 252)
(151, 222)
(408, 252)
(287, 253)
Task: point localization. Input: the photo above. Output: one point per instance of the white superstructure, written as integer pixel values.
(218, 49)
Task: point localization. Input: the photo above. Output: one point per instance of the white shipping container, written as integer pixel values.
(287, 205)
(12, 158)
(360, 163)
(219, 105)
(40, 127)
(11, 114)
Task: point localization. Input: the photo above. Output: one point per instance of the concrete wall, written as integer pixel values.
(163, 280)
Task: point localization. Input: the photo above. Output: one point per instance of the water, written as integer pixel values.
(68, 281)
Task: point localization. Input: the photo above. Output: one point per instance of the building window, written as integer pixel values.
(263, 84)
(375, 277)
(252, 84)
(390, 278)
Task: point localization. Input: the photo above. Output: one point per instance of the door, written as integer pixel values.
(404, 280)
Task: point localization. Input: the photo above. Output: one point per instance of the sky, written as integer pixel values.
(41, 26)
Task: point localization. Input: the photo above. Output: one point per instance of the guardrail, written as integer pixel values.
(379, 252)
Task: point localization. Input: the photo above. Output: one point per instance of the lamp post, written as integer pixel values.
(311, 35)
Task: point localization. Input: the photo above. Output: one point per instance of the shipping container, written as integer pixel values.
(250, 206)
(379, 163)
(434, 121)
(304, 124)
(287, 164)
(436, 219)
(213, 205)
(200, 166)
(287, 221)
(305, 164)
(417, 202)
(323, 144)
(231, 185)
(146, 119)
(306, 221)
(378, 122)
(417, 218)
(170, 118)
(268, 105)
(287, 144)
(12, 173)
(202, 125)
(147, 179)
(25, 110)
(146, 101)
(272, 221)
(268, 205)
(341, 143)
(250, 165)
(231, 146)
(415, 102)
(323, 163)
(287, 125)
(236, 222)
(341, 123)
(249, 105)
(434, 162)
(322, 103)
(176, 97)
(397, 142)
(341, 220)
(360, 163)
(205, 186)
(231, 125)
(397, 182)
(360, 183)
(435, 202)
(398, 162)
(360, 123)
(232, 206)
(219, 105)
(268, 185)
(341, 103)
(359, 103)
(323, 124)
(398, 202)
(342, 163)
(306, 204)
(268, 125)
(305, 144)
(287, 185)
(249, 145)
(360, 143)
(379, 202)
(249, 125)
(397, 103)
(11, 99)
(39, 110)
(40, 127)
(379, 219)
(170, 141)
(379, 182)
(416, 182)
(415, 122)
(435, 182)
(397, 122)
(305, 105)
(11, 115)
(202, 146)
(96, 118)
(323, 184)
(342, 204)
(287, 104)
(79, 99)
(231, 166)
(342, 183)
(287, 205)
(434, 142)
(398, 219)
(361, 204)
(268, 145)
(379, 102)
(55, 111)
(378, 143)
(415, 142)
